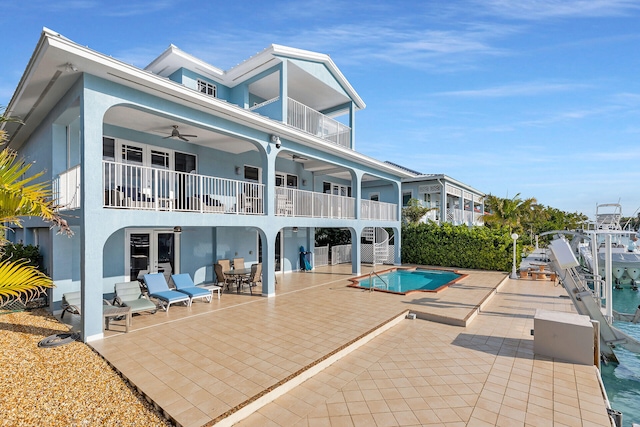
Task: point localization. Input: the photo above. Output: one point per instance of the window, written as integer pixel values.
(251, 173)
(207, 88)
(108, 149)
(160, 159)
(132, 154)
(406, 195)
(336, 189)
(185, 162)
(286, 180)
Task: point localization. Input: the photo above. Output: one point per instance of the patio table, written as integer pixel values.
(109, 311)
(211, 287)
(238, 274)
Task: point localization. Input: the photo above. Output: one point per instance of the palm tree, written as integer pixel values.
(508, 212)
(22, 196)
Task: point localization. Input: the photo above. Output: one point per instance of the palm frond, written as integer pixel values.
(21, 281)
(20, 196)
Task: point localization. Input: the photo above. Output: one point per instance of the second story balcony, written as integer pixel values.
(308, 120)
(135, 187)
(138, 187)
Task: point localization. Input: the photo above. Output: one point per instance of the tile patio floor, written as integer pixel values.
(210, 361)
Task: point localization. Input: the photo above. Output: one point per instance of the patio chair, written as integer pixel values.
(128, 294)
(158, 288)
(221, 278)
(71, 302)
(225, 263)
(185, 284)
(254, 277)
(238, 263)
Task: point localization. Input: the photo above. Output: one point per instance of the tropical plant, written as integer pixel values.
(22, 194)
(505, 212)
(414, 212)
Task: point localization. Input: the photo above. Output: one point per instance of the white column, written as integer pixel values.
(608, 277)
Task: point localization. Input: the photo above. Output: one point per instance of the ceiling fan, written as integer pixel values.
(175, 133)
(295, 157)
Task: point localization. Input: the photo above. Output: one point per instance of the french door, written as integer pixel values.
(151, 251)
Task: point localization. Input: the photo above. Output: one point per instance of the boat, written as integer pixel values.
(625, 264)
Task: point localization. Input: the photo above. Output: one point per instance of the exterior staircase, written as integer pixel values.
(379, 237)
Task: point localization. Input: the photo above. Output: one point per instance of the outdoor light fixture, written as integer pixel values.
(177, 229)
(237, 170)
(276, 140)
(514, 236)
(295, 229)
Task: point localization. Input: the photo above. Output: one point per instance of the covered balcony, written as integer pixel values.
(146, 188)
(140, 187)
(308, 120)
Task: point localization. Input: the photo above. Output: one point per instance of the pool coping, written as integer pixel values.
(356, 280)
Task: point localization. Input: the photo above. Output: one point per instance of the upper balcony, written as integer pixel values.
(308, 120)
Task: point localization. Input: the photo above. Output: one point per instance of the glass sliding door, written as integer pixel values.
(149, 252)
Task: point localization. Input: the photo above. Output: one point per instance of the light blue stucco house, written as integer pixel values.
(451, 201)
(181, 164)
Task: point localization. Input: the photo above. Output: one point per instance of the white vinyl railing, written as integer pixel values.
(321, 256)
(140, 187)
(459, 216)
(340, 254)
(311, 121)
(66, 189)
(381, 211)
(309, 204)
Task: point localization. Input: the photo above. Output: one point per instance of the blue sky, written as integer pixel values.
(537, 97)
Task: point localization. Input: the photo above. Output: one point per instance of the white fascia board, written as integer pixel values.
(448, 179)
(36, 56)
(175, 58)
(93, 62)
(253, 64)
(325, 59)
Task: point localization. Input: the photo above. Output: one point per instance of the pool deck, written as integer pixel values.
(321, 353)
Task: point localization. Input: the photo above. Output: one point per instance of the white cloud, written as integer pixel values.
(543, 9)
(521, 89)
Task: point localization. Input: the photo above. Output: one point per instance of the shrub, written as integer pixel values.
(447, 245)
(18, 251)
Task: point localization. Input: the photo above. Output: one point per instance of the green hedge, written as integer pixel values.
(458, 246)
(18, 251)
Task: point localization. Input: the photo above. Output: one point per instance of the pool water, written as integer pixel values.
(622, 381)
(404, 281)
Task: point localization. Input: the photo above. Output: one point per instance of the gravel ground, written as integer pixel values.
(69, 385)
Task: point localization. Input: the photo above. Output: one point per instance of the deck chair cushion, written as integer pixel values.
(158, 288)
(128, 294)
(71, 302)
(185, 284)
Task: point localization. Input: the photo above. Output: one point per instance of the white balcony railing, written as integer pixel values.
(139, 187)
(308, 120)
(66, 189)
(311, 121)
(301, 203)
(381, 211)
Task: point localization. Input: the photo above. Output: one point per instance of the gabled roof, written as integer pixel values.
(173, 59)
(57, 63)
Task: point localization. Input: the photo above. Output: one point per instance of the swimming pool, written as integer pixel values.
(404, 281)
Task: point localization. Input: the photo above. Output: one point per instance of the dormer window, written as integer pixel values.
(207, 88)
